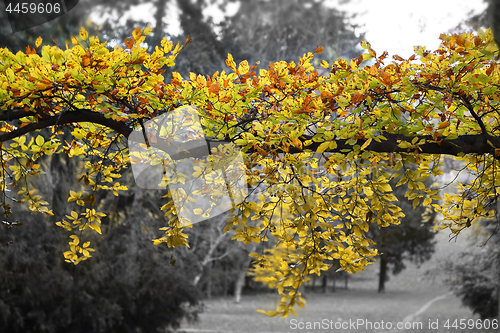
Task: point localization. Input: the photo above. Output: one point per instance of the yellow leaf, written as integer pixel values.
(158, 241)
(74, 196)
(243, 68)
(230, 62)
(368, 191)
(96, 228)
(198, 211)
(322, 147)
(148, 30)
(39, 140)
(70, 255)
(387, 188)
(84, 34)
(228, 227)
(325, 64)
(365, 45)
(74, 40)
(75, 240)
(366, 144)
(38, 42)
(416, 202)
(367, 56)
(357, 232)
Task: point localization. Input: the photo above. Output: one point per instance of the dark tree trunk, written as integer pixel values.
(325, 283)
(302, 290)
(382, 275)
(346, 280)
(161, 11)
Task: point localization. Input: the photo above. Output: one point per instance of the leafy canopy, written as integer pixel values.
(317, 148)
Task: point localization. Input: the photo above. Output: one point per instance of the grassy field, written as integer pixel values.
(405, 299)
(223, 315)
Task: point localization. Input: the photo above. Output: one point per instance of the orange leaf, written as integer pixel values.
(137, 33)
(286, 147)
(188, 40)
(444, 125)
(30, 50)
(477, 41)
(129, 42)
(319, 49)
(214, 88)
(356, 97)
(296, 142)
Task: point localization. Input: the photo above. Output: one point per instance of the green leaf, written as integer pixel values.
(39, 140)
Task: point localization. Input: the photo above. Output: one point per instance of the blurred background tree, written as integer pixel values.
(270, 31)
(475, 277)
(412, 240)
(129, 284)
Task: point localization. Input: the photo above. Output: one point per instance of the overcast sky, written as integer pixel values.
(398, 25)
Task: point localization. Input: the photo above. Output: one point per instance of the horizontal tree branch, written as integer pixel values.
(7, 115)
(466, 144)
(68, 117)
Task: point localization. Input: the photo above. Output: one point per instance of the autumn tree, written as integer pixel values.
(269, 31)
(474, 278)
(315, 148)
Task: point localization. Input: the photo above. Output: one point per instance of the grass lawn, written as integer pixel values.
(405, 296)
(223, 315)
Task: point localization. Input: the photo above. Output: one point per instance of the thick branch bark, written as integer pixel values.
(68, 118)
(467, 144)
(13, 114)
